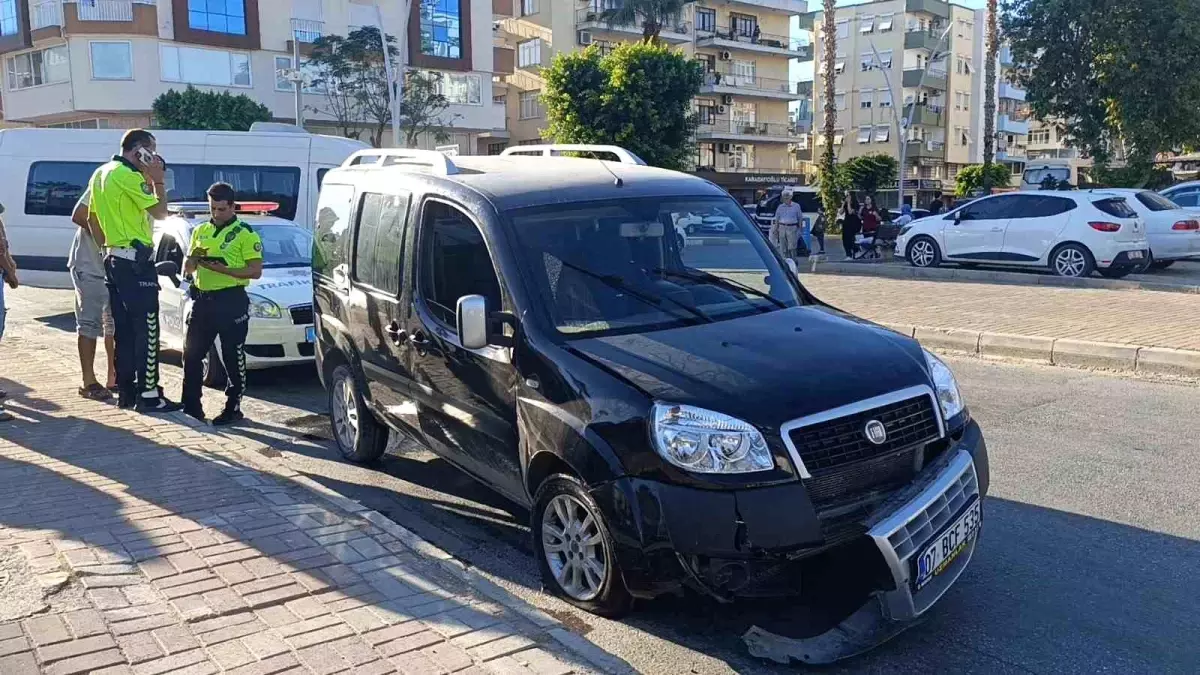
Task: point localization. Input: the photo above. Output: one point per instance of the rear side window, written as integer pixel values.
(1041, 207)
(1155, 201)
(331, 243)
(1115, 207)
(1186, 198)
(52, 188)
(379, 242)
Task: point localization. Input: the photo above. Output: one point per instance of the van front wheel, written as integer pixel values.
(359, 437)
(575, 550)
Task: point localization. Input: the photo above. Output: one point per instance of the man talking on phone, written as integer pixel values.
(123, 192)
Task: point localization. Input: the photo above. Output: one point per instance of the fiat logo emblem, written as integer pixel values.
(875, 432)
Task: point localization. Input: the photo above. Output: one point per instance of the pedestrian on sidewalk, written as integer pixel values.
(93, 316)
(225, 254)
(937, 205)
(851, 224)
(123, 192)
(785, 226)
(818, 232)
(8, 275)
(905, 216)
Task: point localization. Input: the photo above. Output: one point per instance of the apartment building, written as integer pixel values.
(916, 59)
(746, 130)
(101, 63)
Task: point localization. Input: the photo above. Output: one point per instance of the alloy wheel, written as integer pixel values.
(345, 413)
(922, 253)
(1070, 262)
(574, 547)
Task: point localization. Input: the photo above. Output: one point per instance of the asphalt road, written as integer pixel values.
(1087, 563)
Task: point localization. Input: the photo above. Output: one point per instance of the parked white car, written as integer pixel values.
(1173, 231)
(1184, 194)
(1073, 233)
(281, 316)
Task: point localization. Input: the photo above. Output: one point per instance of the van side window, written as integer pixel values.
(454, 262)
(169, 249)
(379, 240)
(321, 177)
(52, 188)
(331, 244)
(280, 184)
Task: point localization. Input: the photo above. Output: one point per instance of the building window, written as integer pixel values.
(218, 17)
(706, 111)
(866, 61)
(706, 20)
(531, 105)
(111, 60)
(839, 67)
(864, 134)
(441, 28)
(529, 7)
(885, 59)
(311, 73)
(843, 30)
(741, 156)
(496, 148)
(966, 100)
(865, 98)
(839, 101)
(459, 89)
(190, 65)
(8, 17)
(78, 124)
(743, 25)
(866, 24)
(32, 69)
(885, 23)
(839, 136)
(743, 114)
(882, 133)
(706, 155)
(529, 53)
(885, 98)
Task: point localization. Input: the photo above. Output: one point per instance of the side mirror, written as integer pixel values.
(472, 314)
(169, 269)
(958, 217)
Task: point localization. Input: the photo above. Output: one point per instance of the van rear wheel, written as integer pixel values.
(359, 436)
(575, 549)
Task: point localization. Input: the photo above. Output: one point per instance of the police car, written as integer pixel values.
(281, 317)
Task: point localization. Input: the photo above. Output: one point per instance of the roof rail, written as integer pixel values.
(623, 156)
(431, 161)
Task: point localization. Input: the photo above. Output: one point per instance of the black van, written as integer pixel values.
(535, 321)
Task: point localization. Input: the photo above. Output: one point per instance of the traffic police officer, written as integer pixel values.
(124, 191)
(225, 254)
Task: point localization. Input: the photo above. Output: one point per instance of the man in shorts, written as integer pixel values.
(93, 318)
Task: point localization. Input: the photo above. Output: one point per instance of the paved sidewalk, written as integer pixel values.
(133, 544)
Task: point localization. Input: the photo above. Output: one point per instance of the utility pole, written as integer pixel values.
(297, 76)
(395, 75)
(904, 124)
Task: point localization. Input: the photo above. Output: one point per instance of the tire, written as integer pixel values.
(214, 371)
(924, 252)
(1161, 264)
(562, 496)
(1072, 260)
(1116, 273)
(359, 436)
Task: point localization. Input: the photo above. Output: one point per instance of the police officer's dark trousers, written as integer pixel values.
(224, 314)
(133, 292)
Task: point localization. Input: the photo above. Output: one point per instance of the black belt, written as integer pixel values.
(198, 294)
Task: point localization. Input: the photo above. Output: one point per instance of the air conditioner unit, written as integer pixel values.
(720, 110)
(584, 37)
(723, 148)
(727, 99)
(726, 56)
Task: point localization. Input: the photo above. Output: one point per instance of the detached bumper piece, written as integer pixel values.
(901, 528)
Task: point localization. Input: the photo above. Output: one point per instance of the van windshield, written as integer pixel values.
(284, 245)
(630, 265)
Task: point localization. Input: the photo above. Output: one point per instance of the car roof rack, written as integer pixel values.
(425, 161)
(189, 209)
(623, 156)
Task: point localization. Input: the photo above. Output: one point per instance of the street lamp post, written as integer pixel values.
(902, 125)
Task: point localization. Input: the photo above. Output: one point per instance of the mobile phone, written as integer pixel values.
(145, 156)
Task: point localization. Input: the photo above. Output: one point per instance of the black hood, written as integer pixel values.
(766, 368)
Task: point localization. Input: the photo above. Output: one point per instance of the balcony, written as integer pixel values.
(45, 19)
(1009, 125)
(916, 77)
(1011, 91)
(724, 37)
(804, 89)
(503, 60)
(137, 17)
(502, 9)
(725, 129)
(749, 86)
(595, 19)
(1011, 155)
(307, 31)
(108, 10)
(925, 115)
(931, 149)
(922, 39)
(934, 7)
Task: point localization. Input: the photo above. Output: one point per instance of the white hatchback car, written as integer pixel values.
(1073, 233)
(1173, 230)
(281, 316)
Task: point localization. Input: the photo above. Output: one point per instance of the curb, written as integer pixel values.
(1125, 358)
(870, 269)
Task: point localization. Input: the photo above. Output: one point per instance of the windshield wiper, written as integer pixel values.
(721, 281)
(614, 281)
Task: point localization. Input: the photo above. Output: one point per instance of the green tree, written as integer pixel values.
(977, 177)
(423, 109)
(1121, 78)
(651, 15)
(196, 109)
(869, 173)
(992, 52)
(639, 97)
(831, 195)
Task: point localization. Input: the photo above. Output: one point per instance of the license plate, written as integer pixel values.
(310, 334)
(947, 546)
(1135, 255)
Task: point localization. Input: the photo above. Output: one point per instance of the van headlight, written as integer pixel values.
(704, 441)
(905, 230)
(264, 308)
(946, 387)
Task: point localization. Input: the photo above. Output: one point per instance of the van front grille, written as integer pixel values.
(843, 441)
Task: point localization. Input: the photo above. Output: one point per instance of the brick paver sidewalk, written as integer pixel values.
(1147, 318)
(134, 544)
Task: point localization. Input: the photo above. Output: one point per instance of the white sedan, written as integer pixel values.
(1173, 230)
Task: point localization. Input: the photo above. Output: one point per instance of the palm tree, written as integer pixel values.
(989, 92)
(829, 62)
(653, 15)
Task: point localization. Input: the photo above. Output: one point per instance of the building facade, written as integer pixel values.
(102, 63)
(747, 131)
